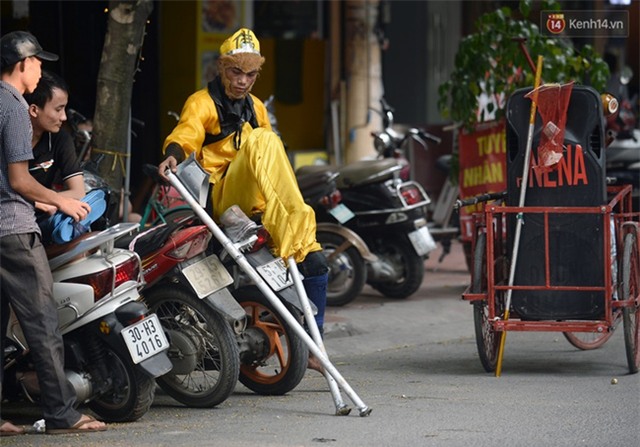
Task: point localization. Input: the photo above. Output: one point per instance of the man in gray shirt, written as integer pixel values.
(25, 278)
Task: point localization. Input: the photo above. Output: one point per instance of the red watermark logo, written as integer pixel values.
(555, 23)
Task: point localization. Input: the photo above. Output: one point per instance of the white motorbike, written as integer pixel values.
(114, 348)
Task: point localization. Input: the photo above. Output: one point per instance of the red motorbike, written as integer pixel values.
(193, 310)
(220, 327)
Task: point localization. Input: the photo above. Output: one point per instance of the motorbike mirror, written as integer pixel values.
(388, 118)
(625, 75)
(194, 178)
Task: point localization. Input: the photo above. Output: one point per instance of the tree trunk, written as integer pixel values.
(364, 78)
(120, 57)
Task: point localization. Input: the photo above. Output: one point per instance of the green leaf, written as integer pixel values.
(525, 7)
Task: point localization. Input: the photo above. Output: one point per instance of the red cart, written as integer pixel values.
(578, 263)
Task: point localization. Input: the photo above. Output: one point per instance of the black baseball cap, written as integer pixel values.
(19, 45)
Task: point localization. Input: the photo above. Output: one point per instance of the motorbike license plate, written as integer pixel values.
(207, 276)
(422, 241)
(342, 213)
(275, 274)
(145, 338)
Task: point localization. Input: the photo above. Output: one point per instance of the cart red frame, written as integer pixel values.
(489, 286)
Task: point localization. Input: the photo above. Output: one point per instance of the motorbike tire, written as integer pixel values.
(400, 252)
(203, 350)
(174, 214)
(347, 272)
(132, 392)
(284, 364)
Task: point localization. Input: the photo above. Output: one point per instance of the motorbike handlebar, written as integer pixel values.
(421, 137)
(431, 137)
(479, 199)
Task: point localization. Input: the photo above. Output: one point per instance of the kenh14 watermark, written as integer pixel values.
(598, 23)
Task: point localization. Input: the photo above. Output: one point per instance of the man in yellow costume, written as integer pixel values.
(228, 128)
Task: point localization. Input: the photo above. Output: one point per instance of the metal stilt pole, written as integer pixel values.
(242, 262)
(341, 408)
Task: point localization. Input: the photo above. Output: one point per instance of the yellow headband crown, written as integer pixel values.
(243, 41)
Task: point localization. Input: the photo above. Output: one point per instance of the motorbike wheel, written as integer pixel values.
(131, 394)
(203, 348)
(347, 272)
(175, 214)
(400, 253)
(277, 357)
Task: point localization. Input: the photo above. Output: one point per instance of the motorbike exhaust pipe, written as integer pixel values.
(31, 387)
(240, 259)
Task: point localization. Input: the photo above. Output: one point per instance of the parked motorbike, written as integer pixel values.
(191, 302)
(390, 216)
(271, 292)
(390, 143)
(273, 356)
(390, 210)
(346, 252)
(114, 346)
(192, 280)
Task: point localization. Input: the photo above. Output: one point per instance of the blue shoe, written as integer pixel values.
(65, 229)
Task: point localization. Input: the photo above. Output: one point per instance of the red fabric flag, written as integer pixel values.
(552, 103)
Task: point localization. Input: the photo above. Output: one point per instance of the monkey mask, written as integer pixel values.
(241, 51)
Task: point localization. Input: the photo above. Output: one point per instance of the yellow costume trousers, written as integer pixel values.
(260, 180)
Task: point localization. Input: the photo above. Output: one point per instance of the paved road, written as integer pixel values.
(414, 362)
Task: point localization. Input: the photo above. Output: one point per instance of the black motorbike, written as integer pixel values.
(390, 215)
(347, 254)
(385, 208)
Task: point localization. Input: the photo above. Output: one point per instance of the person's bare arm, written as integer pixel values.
(173, 156)
(29, 188)
(49, 209)
(74, 187)
(168, 163)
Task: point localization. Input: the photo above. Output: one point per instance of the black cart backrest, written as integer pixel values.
(576, 252)
(581, 178)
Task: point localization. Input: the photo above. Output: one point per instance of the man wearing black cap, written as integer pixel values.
(22, 257)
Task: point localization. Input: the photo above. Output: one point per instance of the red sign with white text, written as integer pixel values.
(483, 168)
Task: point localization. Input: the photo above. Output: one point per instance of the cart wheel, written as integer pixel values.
(487, 339)
(630, 291)
(587, 340)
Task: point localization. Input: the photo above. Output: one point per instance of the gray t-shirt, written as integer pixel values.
(17, 215)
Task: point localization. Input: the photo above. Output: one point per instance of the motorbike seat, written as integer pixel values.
(54, 250)
(368, 171)
(315, 185)
(358, 173)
